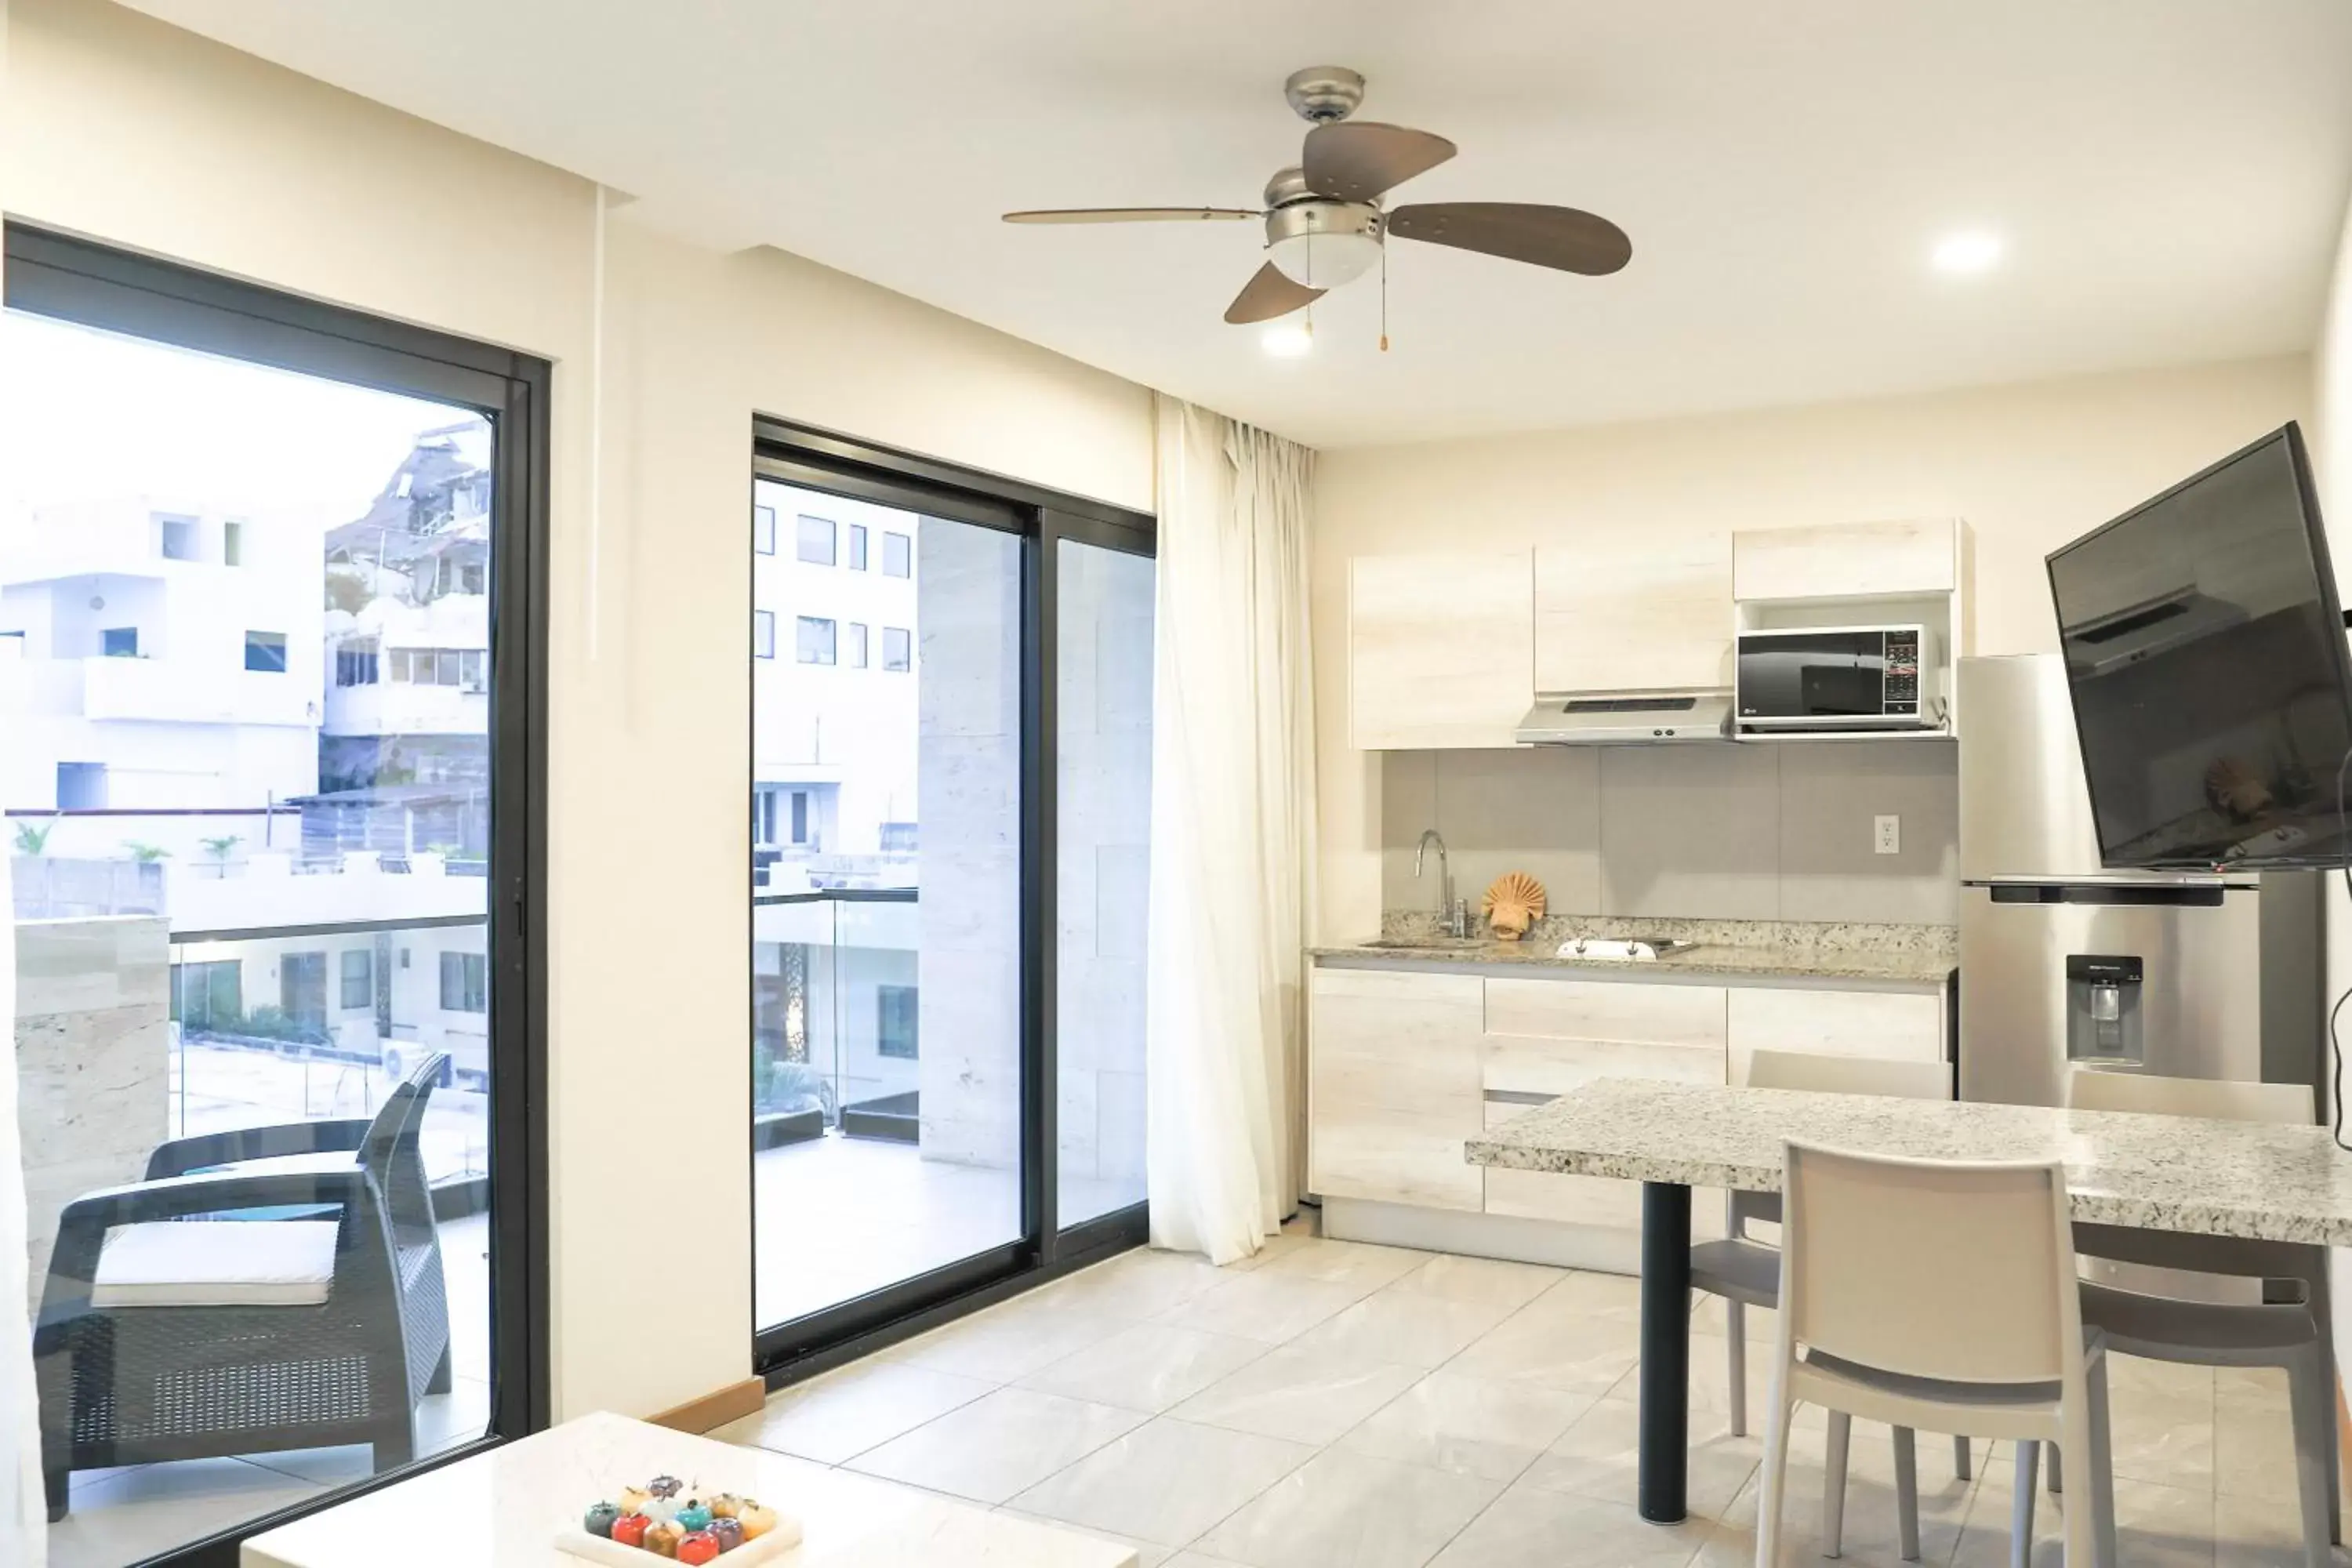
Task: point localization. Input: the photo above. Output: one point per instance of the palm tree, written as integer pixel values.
(218, 848)
(32, 838)
(146, 854)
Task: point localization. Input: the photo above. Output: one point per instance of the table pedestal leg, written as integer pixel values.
(1665, 1350)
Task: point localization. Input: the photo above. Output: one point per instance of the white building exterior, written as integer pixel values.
(158, 657)
(835, 679)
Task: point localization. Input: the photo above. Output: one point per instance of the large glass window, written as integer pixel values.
(237, 858)
(815, 536)
(903, 893)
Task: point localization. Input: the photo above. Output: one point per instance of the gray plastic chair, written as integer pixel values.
(1747, 1273)
(2285, 1334)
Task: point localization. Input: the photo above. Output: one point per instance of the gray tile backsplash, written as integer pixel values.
(1724, 832)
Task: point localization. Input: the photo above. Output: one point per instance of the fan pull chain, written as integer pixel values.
(1384, 299)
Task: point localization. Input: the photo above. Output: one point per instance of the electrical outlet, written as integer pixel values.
(1890, 835)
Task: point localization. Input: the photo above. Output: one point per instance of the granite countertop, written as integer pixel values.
(2256, 1180)
(1904, 954)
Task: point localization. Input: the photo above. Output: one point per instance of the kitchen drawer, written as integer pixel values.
(1402, 1040)
(1582, 1200)
(1523, 1064)
(1633, 1011)
(1394, 1157)
(1906, 1026)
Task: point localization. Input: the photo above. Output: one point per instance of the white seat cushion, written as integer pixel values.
(216, 1263)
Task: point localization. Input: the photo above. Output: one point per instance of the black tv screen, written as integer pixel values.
(2206, 658)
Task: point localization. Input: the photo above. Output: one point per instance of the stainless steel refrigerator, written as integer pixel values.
(2062, 961)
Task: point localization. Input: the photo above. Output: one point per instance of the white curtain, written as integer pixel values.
(23, 1517)
(1232, 789)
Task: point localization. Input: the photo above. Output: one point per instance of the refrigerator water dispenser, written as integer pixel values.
(2103, 1009)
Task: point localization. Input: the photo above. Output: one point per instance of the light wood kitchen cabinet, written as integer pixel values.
(1545, 1036)
(1850, 560)
(1441, 650)
(1633, 611)
(1904, 1024)
(1393, 1086)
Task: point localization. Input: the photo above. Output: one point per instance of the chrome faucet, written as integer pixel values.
(1455, 911)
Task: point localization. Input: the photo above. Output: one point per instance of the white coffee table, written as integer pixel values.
(502, 1508)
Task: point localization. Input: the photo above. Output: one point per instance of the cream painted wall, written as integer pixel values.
(114, 126)
(2030, 467)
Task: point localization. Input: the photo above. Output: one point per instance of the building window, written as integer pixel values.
(799, 817)
(469, 671)
(465, 983)
(302, 991)
(763, 634)
(232, 544)
(763, 530)
(858, 644)
(898, 838)
(815, 640)
(857, 547)
(175, 537)
(356, 663)
(763, 817)
(898, 648)
(358, 980)
(894, 1021)
(816, 540)
(119, 642)
(398, 672)
(897, 555)
(266, 652)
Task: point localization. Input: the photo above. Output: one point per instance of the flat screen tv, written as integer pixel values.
(2206, 661)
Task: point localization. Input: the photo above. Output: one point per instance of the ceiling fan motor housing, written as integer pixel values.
(1323, 243)
(1324, 93)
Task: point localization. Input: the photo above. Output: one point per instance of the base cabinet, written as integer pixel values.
(1406, 1066)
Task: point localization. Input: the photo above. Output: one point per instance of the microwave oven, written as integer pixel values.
(1796, 679)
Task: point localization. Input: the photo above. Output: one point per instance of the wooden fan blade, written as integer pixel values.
(1356, 160)
(1563, 237)
(1129, 215)
(1269, 294)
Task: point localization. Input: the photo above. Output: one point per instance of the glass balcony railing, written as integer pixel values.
(835, 973)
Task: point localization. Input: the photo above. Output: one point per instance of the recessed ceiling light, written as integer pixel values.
(1972, 250)
(1287, 340)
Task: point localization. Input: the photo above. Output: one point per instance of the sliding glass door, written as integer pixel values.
(267, 623)
(950, 821)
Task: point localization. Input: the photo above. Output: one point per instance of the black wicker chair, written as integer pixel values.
(131, 1384)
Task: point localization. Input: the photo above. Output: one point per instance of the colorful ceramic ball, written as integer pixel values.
(662, 1540)
(633, 1500)
(756, 1520)
(727, 1532)
(696, 1546)
(726, 1505)
(629, 1530)
(664, 1486)
(599, 1520)
(695, 1515)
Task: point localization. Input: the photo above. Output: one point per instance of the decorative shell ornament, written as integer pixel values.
(2236, 789)
(1514, 903)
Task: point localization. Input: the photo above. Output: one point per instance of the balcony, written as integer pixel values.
(174, 691)
(398, 708)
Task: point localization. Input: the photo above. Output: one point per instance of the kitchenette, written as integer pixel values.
(1685, 800)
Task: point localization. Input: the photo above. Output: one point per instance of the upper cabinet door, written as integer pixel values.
(1847, 560)
(1629, 612)
(1441, 650)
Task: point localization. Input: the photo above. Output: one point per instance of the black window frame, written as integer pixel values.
(98, 285)
(811, 457)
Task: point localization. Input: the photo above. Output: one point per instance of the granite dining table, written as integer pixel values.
(2240, 1197)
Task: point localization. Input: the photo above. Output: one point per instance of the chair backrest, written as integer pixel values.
(1849, 1074)
(393, 1150)
(1933, 1269)
(1826, 1074)
(2100, 1089)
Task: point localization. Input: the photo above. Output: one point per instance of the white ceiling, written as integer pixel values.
(2170, 176)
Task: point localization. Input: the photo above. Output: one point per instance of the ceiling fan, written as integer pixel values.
(1324, 222)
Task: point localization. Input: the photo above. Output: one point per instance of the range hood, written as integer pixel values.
(1625, 718)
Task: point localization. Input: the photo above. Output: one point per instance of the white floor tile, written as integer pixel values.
(1551, 1342)
(1012, 1339)
(1143, 1283)
(1486, 1279)
(140, 1512)
(1357, 1264)
(1148, 1554)
(1148, 1367)
(1399, 1326)
(845, 1412)
(1263, 1305)
(1595, 1457)
(1351, 1511)
(997, 1446)
(1469, 1425)
(1299, 1395)
(1527, 1527)
(1166, 1481)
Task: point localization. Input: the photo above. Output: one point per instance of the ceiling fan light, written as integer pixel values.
(1325, 260)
